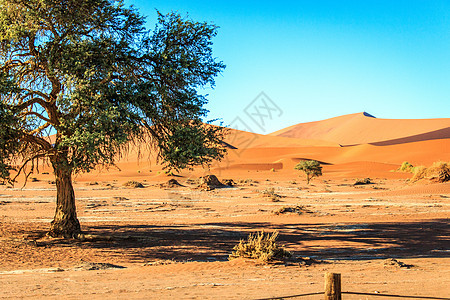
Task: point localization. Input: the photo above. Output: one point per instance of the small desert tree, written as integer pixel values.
(81, 79)
(311, 168)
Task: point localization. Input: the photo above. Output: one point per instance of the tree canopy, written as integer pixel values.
(311, 168)
(81, 79)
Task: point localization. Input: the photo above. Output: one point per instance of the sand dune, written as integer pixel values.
(243, 140)
(281, 151)
(362, 128)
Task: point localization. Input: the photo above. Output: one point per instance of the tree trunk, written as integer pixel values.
(65, 222)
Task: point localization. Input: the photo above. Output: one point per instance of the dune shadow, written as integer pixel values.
(440, 134)
(443, 133)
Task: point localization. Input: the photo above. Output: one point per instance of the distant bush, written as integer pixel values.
(260, 246)
(406, 167)
(311, 168)
(437, 172)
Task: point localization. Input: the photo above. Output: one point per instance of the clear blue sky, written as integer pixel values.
(320, 59)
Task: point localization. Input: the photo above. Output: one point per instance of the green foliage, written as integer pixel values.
(260, 246)
(89, 72)
(406, 167)
(9, 140)
(311, 168)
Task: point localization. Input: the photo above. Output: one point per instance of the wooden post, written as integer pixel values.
(333, 286)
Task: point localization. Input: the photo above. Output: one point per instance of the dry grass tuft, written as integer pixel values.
(133, 184)
(438, 172)
(362, 181)
(270, 193)
(260, 246)
(296, 210)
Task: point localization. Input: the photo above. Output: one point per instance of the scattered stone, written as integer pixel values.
(209, 183)
(362, 181)
(56, 270)
(229, 182)
(192, 181)
(89, 266)
(395, 263)
(306, 261)
(172, 183)
(249, 181)
(297, 210)
(133, 184)
(160, 262)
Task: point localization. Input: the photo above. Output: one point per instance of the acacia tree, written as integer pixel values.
(311, 168)
(81, 79)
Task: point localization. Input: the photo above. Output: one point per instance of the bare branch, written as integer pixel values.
(36, 140)
(40, 128)
(33, 113)
(40, 94)
(22, 167)
(31, 102)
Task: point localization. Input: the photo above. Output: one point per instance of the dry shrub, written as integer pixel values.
(438, 172)
(296, 209)
(228, 182)
(362, 181)
(209, 182)
(192, 181)
(260, 246)
(172, 183)
(247, 181)
(270, 193)
(133, 184)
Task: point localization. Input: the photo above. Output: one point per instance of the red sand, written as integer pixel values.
(362, 129)
(174, 242)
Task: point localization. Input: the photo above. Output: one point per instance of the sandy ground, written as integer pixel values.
(174, 243)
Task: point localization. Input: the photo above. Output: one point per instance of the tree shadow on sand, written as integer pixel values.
(215, 241)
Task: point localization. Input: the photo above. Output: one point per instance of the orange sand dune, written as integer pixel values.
(424, 152)
(243, 140)
(361, 128)
(250, 152)
(363, 159)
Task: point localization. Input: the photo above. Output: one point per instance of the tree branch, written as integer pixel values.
(33, 113)
(40, 128)
(21, 169)
(36, 140)
(31, 102)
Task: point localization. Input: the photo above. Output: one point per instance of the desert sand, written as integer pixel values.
(160, 242)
